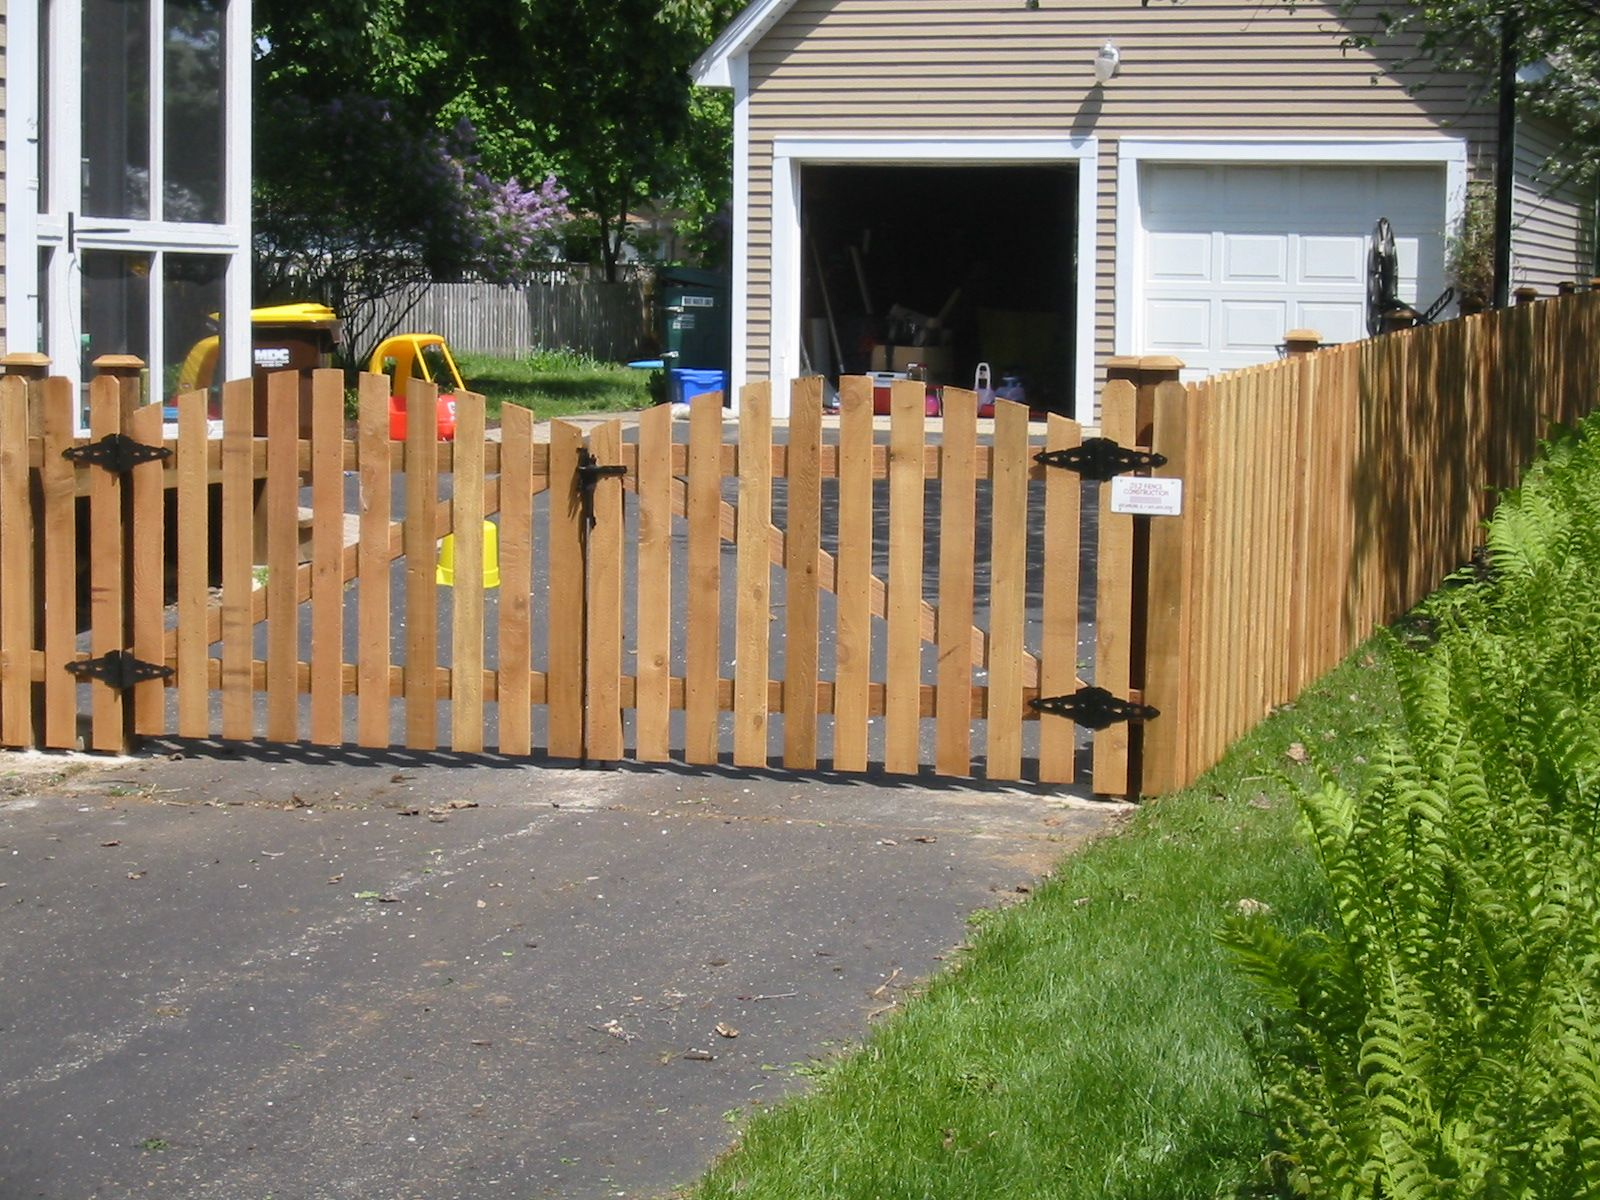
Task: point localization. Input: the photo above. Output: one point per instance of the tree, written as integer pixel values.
(599, 91)
(358, 206)
(596, 93)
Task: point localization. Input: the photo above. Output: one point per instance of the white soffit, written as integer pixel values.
(713, 68)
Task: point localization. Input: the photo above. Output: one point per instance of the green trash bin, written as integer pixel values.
(695, 319)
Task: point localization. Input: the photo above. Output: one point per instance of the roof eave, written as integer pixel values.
(714, 68)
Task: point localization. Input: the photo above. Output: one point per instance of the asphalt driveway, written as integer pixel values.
(280, 973)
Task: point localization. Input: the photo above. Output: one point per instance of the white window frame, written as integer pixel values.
(29, 231)
(1132, 153)
(791, 153)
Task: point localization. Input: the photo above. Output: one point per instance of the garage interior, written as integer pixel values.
(945, 267)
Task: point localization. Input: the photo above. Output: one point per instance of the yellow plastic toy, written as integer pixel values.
(418, 356)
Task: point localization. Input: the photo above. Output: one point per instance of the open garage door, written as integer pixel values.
(942, 266)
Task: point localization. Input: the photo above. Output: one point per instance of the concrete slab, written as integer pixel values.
(340, 976)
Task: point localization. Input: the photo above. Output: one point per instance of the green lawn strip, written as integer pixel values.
(1092, 1042)
(555, 384)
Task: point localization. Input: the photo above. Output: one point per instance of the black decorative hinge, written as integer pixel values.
(116, 452)
(590, 472)
(118, 669)
(1094, 708)
(1100, 458)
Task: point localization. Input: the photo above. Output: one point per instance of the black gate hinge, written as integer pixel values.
(590, 472)
(116, 452)
(1093, 708)
(1100, 459)
(118, 669)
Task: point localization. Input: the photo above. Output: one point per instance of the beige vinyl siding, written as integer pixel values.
(1553, 219)
(918, 68)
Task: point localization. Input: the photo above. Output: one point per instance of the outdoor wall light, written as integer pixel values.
(1107, 61)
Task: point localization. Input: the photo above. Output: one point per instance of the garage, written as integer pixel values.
(943, 267)
(1231, 256)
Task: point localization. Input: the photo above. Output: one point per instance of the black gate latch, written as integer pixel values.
(1094, 708)
(590, 472)
(1100, 459)
(116, 452)
(118, 669)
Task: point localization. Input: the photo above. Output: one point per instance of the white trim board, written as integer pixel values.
(790, 154)
(1450, 153)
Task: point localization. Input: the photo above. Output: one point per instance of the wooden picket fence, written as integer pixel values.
(894, 598)
(1328, 493)
(266, 585)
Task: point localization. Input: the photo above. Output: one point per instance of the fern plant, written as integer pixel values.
(1440, 1035)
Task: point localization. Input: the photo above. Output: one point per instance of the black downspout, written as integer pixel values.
(1505, 154)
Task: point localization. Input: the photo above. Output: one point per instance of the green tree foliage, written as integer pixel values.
(596, 94)
(1462, 38)
(1440, 1036)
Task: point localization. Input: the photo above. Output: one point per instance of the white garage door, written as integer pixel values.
(1232, 257)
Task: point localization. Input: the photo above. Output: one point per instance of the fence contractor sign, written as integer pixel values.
(1147, 497)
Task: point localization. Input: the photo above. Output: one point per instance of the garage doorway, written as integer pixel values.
(1008, 221)
(943, 266)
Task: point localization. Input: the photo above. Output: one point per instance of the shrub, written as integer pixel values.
(1439, 1034)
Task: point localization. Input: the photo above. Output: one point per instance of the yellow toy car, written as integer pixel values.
(427, 356)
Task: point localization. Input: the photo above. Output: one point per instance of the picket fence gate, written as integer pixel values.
(906, 604)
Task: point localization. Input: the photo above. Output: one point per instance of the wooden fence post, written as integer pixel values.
(1146, 373)
(21, 552)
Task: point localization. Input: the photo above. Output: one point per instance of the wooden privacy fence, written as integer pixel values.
(1327, 494)
(886, 601)
(612, 322)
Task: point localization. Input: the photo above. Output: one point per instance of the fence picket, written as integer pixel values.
(958, 479)
(1114, 603)
(327, 545)
(420, 538)
(802, 548)
(1008, 548)
(16, 568)
(703, 621)
(564, 661)
(1167, 639)
(372, 614)
(281, 499)
(1058, 647)
(58, 485)
(514, 677)
(853, 584)
(194, 568)
(603, 671)
(148, 552)
(754, 606)
(903, 684)
(467, 605)
(107, 608)
(653, 602)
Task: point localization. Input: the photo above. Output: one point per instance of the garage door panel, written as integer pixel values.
(1337, 192)
(1253, 325)
(1333, 261)
(1185, 325)
(1255, 258)
(1180, 257)
(1174, 189)
(1254, 189)
(1233, 255)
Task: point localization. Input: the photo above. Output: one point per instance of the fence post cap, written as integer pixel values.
(1301, 341)
(1122, 366)
(1160, 363)
(117, 364)
(25, 362)
(1526, 295)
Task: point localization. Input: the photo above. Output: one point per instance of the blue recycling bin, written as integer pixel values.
(689, 382)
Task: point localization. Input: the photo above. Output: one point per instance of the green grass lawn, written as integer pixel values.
(1093, 1042)
(555, 383)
